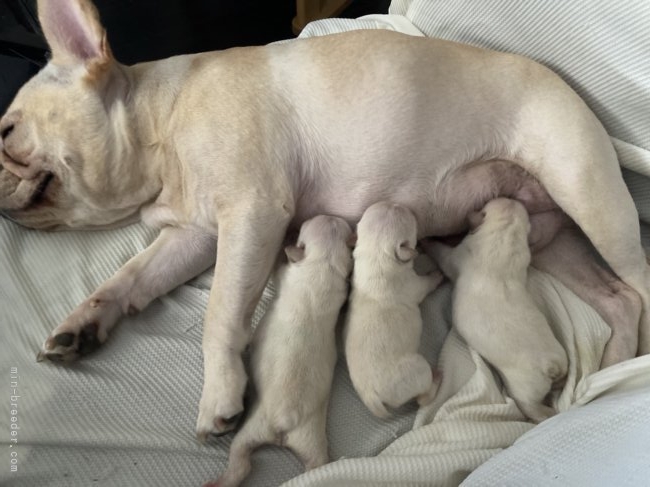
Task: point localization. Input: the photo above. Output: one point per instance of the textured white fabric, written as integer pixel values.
(125, 416)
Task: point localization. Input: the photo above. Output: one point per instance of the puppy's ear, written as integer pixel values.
(74, 33)
(405, 253)
(295, 253)
(475, 219)
(351, 241)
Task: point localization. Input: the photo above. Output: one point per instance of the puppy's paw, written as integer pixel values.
(85, 330)
(221, 404)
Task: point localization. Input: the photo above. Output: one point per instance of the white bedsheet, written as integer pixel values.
(125, 416)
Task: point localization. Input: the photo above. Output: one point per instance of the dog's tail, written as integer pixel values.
(376, 405)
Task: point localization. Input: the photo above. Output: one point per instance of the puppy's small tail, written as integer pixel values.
(376, 406)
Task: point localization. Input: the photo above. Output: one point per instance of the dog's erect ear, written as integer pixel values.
(295, 253)
(74, 33)
(475, 219)
(405, 253)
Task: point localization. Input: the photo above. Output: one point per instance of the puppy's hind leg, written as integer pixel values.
(309, 440)
(529, 390)
(253, 434)
(411, 378)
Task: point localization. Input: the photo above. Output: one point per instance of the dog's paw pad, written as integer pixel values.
(64, 339)
(68, 346)
(88, 339)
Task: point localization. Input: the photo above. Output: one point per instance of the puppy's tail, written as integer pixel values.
(376, 406)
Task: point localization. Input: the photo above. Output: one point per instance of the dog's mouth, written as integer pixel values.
(8, 157)
(41, 188)
(20, 194)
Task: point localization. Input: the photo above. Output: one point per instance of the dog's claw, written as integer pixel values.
(202, 436)
(231, 420)
(217, 427)
(222, 426)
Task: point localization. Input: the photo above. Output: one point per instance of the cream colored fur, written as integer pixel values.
(248, 142)
(383, 323)
(294, 350)
(493, 310)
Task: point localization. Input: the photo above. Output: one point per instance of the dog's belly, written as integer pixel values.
(440, 202)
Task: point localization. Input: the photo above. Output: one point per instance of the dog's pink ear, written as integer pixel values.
(295, 253)
(74, 32)
(475, 219)
(405, 253)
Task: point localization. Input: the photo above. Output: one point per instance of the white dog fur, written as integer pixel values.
(383, 323)
(493, 310)
(293, 351)
(247, 142)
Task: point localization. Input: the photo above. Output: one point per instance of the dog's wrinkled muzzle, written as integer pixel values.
(17, 193)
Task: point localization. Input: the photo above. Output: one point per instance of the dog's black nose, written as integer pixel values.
(4, 133)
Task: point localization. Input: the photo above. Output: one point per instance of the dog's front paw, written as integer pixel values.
(221, 404)
(81, 333)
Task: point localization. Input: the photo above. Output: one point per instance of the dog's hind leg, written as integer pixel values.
(176, 256)
(309, 440)
(411, 378)
(250, 237)
(575, 162)
(254, 433)
(572, 260)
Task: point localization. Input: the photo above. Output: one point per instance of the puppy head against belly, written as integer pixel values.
(324, 238)
(499, 214)
(499, 236)
(389, 230)
(67, 152)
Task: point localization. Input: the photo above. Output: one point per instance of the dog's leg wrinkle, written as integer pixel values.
(173, 258)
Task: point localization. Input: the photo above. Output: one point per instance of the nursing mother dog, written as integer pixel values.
(246, 143)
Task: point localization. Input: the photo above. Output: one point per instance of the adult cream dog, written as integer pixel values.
(493, 310)
(293, 353)
(383, 323)
(247, 142)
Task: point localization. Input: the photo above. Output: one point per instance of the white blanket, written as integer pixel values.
(125, 415)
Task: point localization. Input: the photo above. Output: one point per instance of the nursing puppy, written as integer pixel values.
(246, 143)
(383, 322)
(294, 350)
(492, 309)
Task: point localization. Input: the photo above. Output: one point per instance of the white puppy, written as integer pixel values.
(294, 350)
(494, 312)
(383, 323)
